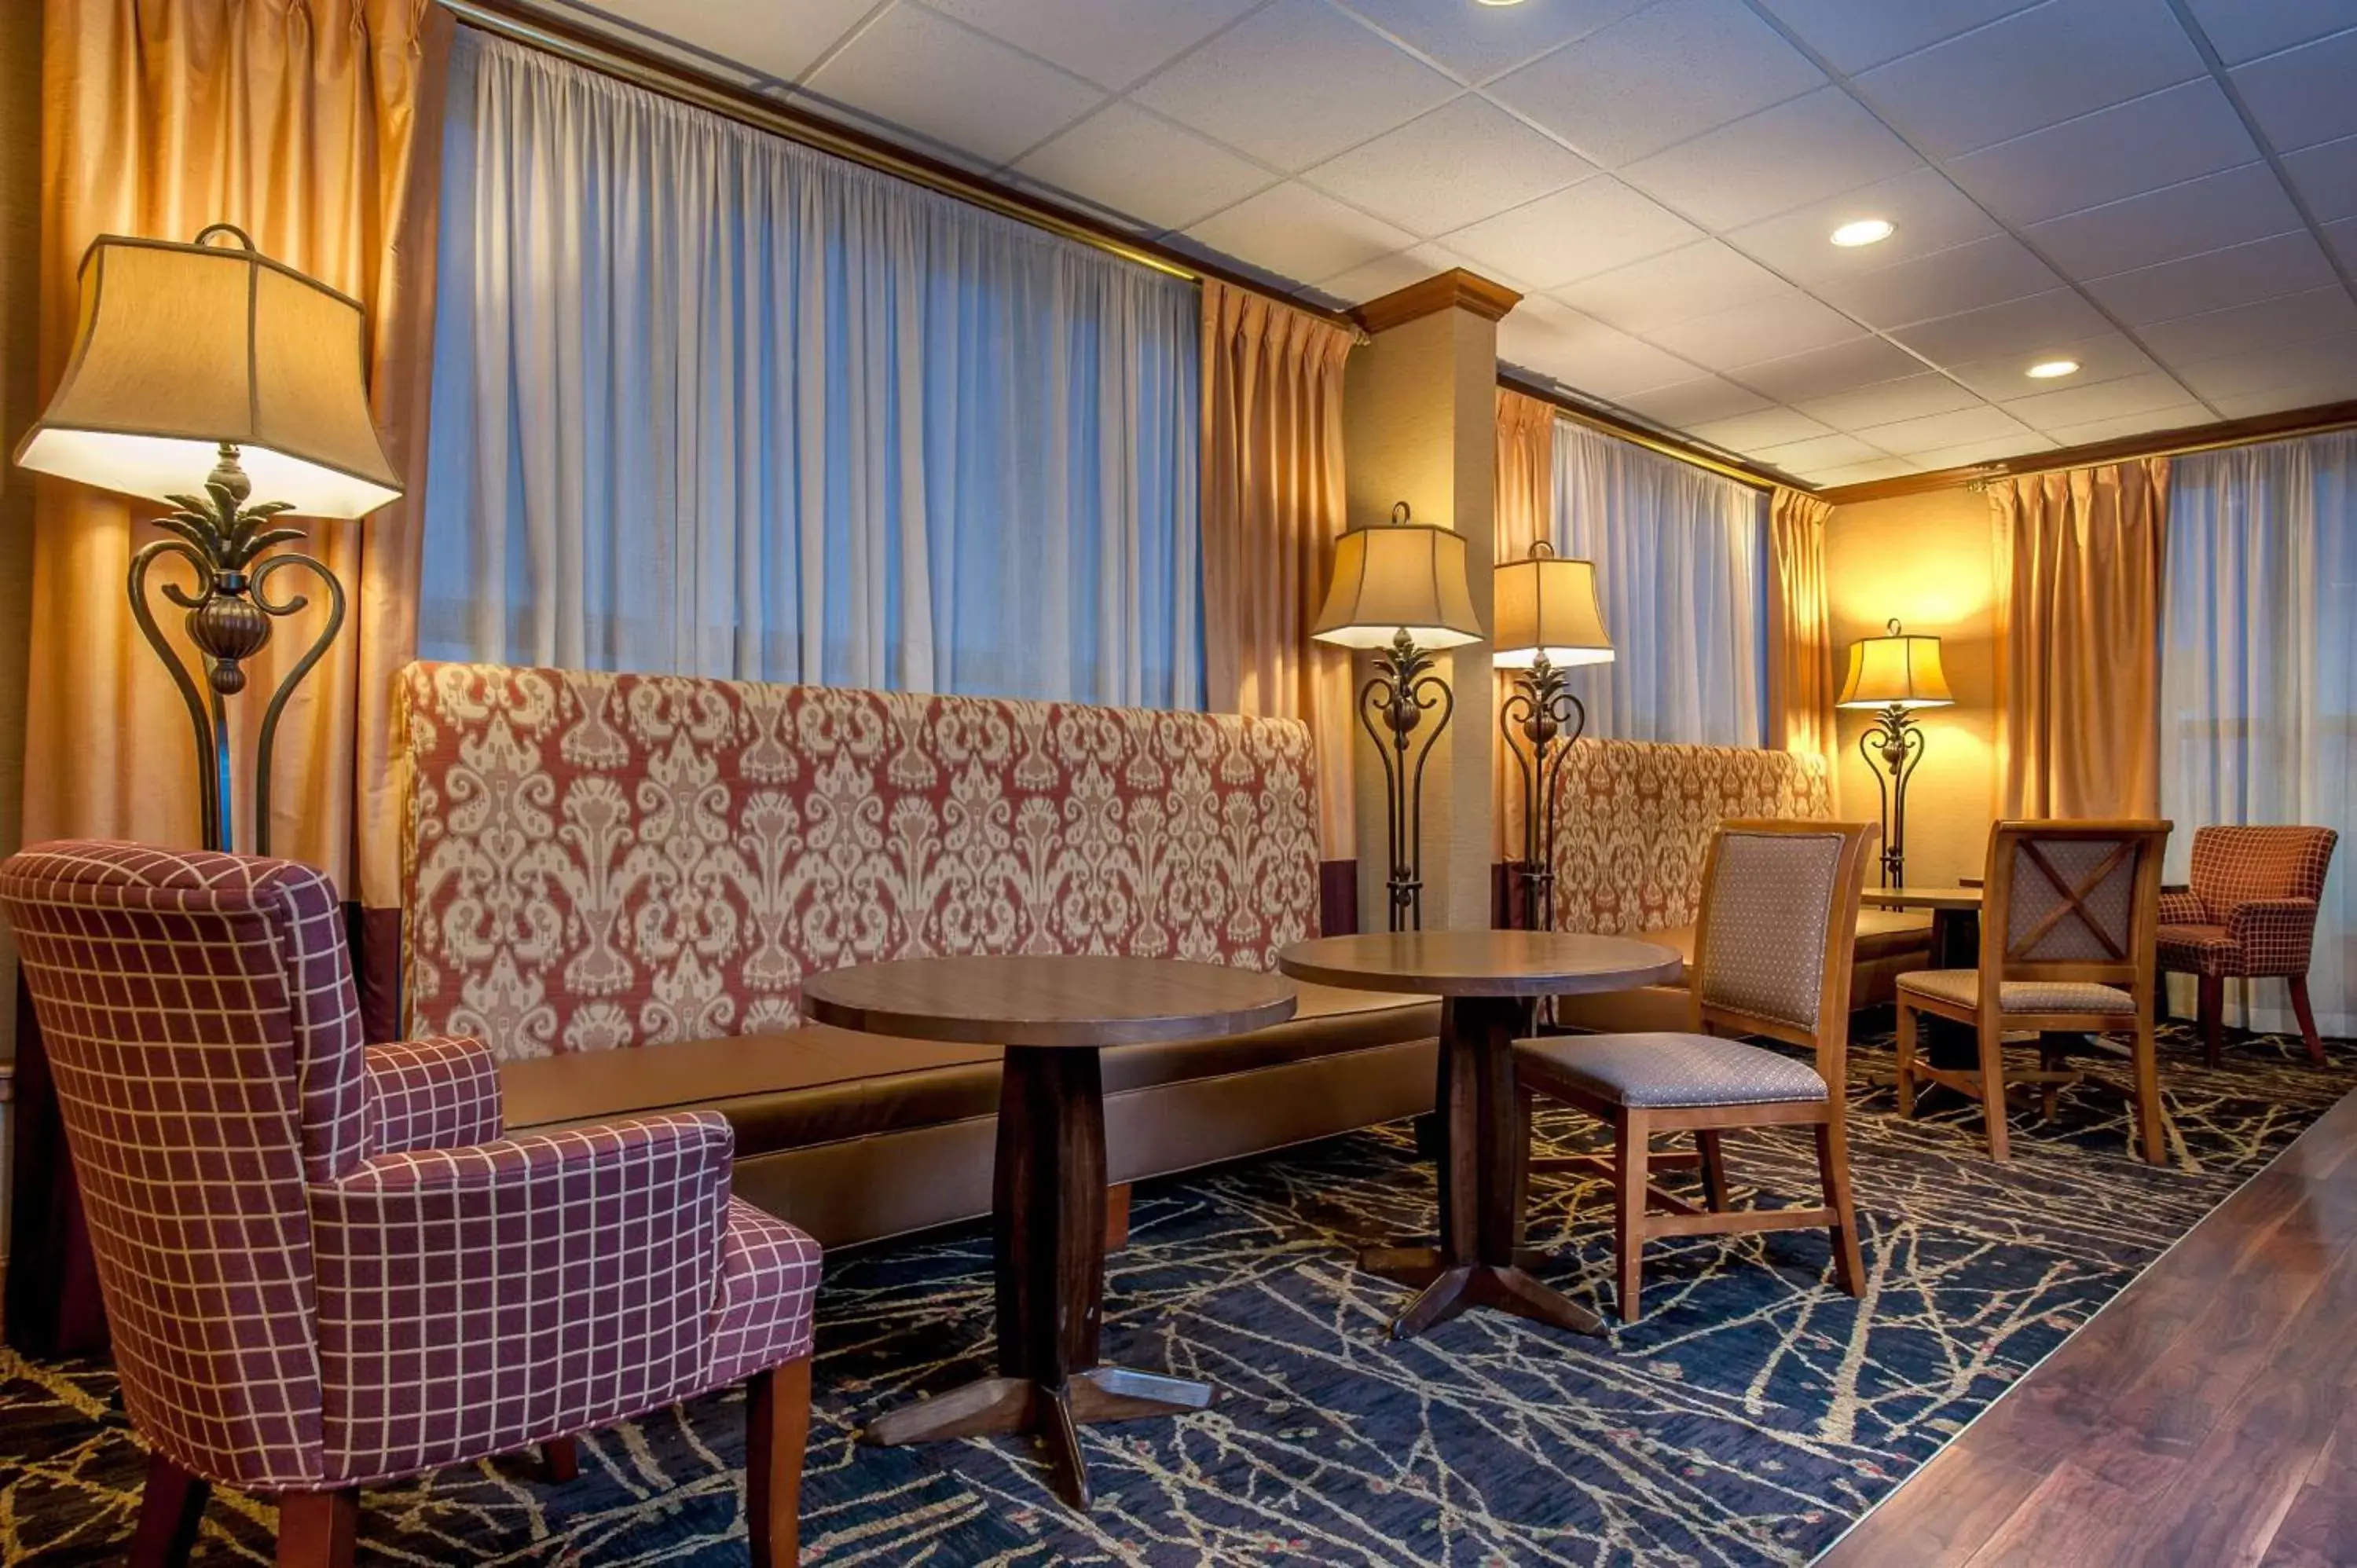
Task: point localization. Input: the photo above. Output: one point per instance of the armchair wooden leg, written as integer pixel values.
(777, 1426)
(1714, 1172)
(1993, 1101)
(2147, 1096)
(562, 1455)
(1906, 1060)
(2211, 993)
(2307, 1016)
(1632, 1135)
(169, 1511)
(1833, 1169)
(316, 1529)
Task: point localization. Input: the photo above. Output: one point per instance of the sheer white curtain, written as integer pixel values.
(1680, 562)
(708, 402)
(2258, 675)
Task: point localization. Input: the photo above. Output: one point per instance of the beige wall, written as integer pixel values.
(1929, 561)
(20, 152)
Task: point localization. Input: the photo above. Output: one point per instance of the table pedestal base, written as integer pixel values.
(1447, 1289)
(1053, 1413)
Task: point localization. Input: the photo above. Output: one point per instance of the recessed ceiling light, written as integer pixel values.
(1500, 1)
(2047, 369)
(1864, 231)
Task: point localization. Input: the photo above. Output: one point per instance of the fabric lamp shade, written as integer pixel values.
(1896, 670)
(182, 349)
(1548, 604)
(1399, 576)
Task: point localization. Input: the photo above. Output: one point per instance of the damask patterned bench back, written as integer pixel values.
(594, 861)
(1635, 820)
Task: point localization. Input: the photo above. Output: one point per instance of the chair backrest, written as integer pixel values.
(198, 1015)
(2239, 864)
(2072, 900)
(1772, 950)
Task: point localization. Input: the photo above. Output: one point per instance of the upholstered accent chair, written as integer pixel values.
(1772, 959)
(2069, 918)
(323, 1264)
(2250, 913)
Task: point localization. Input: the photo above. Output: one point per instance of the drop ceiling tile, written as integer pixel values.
(2301, 96)
(1385, 275)
(1863, 473)
(1802, 150)
(2326, 176)
(1676, 285)
(1943, 432)
(1888, 402)
(1682, 405)
(2031, 69)
(2105, 357)
(1583, 355)
(2241, 204)
(2170, 416)
(1975, 452)
(1295, 84)
(1946, 283)
(2018, 326)
(2321, 361)
(2277, 399)
(1595, 226)
(2244, 29)
(2282, 263)
(743, 37)
(2342, 238)
(919, 72)
(1467, 160)
(1768, 427)
(1299, 234)
(1479, 43)
(1930, 213)
(1821, 372)
(1671, 71)
(2105, 399)
(1821, 453)
(1769, 329)
(2287, 318)
(1124, 159)
(2179, 134)
(1855, 35)
(1113, 45)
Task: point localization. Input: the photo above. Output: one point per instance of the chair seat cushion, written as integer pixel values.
(769, 1286)
(1670, 1071)
(1962, 987)
(2199, 950)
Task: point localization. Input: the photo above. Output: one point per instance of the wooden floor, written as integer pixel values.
(2207, 1417)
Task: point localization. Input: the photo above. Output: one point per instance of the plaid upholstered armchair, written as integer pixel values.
(323, 1264)
(2250, 913)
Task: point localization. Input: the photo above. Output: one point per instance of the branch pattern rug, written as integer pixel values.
(1748, 1418)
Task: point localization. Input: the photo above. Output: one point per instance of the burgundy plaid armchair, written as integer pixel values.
(324, 1263)
(2250, 913)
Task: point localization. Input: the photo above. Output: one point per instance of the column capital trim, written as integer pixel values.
(1455, 289)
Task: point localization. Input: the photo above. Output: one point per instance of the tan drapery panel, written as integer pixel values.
(295, 120)
(1800, 626)
(2078, 558)
(1272, 503)
(1524, 514)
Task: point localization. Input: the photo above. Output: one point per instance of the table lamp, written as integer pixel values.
(1399, 591)
(212, 357)
(1549, 622)
(1896, 673)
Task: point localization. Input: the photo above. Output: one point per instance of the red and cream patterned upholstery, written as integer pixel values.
(600, 861)
(323, 1264)
(2251, 911)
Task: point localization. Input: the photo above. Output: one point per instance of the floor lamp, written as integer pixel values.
(201, 373)
(1894, 675)
(1399, 591)
(1549, 623)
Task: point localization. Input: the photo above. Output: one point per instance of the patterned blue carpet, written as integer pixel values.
(1747, 1418)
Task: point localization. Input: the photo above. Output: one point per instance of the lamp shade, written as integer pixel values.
(1896, 670)
(1547, 604)
(181, 349)
(1398, 576)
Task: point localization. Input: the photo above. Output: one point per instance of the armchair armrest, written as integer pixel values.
(2178, 906)
(431, 1094)
(2274, 934)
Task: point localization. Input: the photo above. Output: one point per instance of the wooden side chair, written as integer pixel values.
(2069, 921)
(1772, 952)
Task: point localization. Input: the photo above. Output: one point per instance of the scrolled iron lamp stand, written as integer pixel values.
(1898, 741)
(1544, 713)
(1403, 690)
(229, 616)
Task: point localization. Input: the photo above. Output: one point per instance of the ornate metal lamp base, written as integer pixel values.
(1542, 711)
(1391, 706)
(1896, 741)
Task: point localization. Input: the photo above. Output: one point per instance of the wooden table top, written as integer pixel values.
(1042, 1000)
(1922, 898)
(1482, 964)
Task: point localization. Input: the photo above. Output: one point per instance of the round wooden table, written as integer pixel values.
(1052, 1015)
(1487, 981)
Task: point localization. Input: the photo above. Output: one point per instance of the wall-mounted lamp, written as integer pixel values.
(1549, 622)
(1895, 673)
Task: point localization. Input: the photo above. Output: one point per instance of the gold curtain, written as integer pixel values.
(1524, 514)
(1800, 626)
(2078, 558)
(1273, 504)
(295, 120)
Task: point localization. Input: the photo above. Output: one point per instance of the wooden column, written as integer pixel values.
(1419, 425)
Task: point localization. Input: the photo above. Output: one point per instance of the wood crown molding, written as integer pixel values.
(1455, 289)
(2314, 420)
